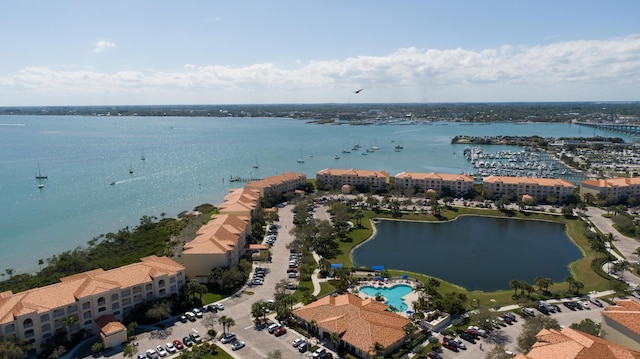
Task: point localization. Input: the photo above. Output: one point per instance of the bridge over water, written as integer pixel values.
(627, 129)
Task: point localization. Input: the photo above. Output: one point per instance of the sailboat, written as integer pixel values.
(143, 157)
(40, 184)
(39, 175)
(130, 169)
(256, 165)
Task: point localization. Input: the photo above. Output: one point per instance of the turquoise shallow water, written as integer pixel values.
(393, 295)
(188, 161)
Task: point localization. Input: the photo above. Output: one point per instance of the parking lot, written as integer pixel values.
(508, 335)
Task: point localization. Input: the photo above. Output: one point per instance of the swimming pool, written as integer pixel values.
(393, 295)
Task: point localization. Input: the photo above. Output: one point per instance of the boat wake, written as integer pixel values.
(127, 180)
(12, 124)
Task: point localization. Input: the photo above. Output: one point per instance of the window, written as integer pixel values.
(45, 328)
(148, 287)
(117, 312)
(115, 306)
(58, 313)
(28, 334)
(86, 314)
(161, 283)
(72, 309)
(87, 322)
(86, 305)
(11, 328)
(44, 318)
(102, 309)
(172, 280)
(28, 323)
(114, 297)
(101, 301)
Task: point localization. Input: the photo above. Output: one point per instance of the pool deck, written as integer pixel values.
(408, 298)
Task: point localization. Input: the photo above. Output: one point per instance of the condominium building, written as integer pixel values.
(275, 186)
(360, 323)
(241, 201)
(621, 323)
(331, 178)
(574, 344)
(92, 297)
(539, 188)
(219, 243)
(618, 187)
(458, 185)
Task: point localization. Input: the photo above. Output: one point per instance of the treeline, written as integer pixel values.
(107, 251)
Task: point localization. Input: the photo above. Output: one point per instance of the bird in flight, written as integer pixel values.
(358, 91)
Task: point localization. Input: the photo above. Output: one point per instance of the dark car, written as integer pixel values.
(212, 308)
(570, 305)
(187, 341)
(466, 335)
(434, 355)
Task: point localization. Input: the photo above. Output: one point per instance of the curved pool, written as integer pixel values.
(393, 295)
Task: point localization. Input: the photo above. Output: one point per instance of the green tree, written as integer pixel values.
(587, 326)
(276, 354)
(97, 347)
(11, 350)
(69, 322)
(531, 328)
(498, 352)
(158, 311)
(259, 309)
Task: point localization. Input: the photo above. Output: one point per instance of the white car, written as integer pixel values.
(584, 304)
(161, 351)
(319, 352)
(636, 294)
(459, 343)
(237, 345)
(595, 301)
(480, 331)
(170, 348)
(297, 342)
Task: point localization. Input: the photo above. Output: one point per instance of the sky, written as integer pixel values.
(128, 52)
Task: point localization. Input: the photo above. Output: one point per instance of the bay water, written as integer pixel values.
(188, 161)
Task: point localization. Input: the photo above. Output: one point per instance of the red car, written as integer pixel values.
(292, 270)
(449, 344)
(280, 331)
(178, 344)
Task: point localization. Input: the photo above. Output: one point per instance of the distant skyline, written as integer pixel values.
(270, 52)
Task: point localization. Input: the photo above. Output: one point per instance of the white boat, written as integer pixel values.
(40, 184)
(336, 157)
(364, 153)
(256, 165)
(300, 160)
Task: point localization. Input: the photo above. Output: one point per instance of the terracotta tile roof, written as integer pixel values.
(360, 322)
(573, 344)
(72, 288)
(612, 182)
(277, 180)
(109, 325)
(435, 175)
(240, 199)
(530, 180)
(352, 172)
(626, 312)
(220, 235)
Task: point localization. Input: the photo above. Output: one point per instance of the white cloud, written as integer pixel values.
(562, 71)
(103, 45)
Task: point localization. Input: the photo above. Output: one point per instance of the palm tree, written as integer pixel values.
(334, 338)
(515, 284)
(378, 349)
(130, 350)
(622, 266)
(67, 323)
(223, 321)
(358, 216)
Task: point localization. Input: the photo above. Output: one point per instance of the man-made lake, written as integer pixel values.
(478, 253)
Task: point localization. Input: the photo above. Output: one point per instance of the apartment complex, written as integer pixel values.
(330, 178)
(539, 188)
(618, 187)
(458, 185)
(93, 297)
(574, 344)
(219, 243)
(621, 323)
(241, 201)
(275, 186)
(360, 323)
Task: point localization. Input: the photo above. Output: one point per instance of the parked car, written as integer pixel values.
(511, 316)
(228, 338)
(480, 331)
(237, 345)
(292, 270)
(161, 351)
(191, 316)
(183, 318)
(434, 355)
(219, 306)
(459, 343)
(595, 301)
(636, 294)
(273, 327)
(447, 343)
(326, 355)
(195, 337)
(197, 312)
(280, 331)
(142, 356)
(584, 304)
(529, 312)
(297, 342)
(318, 352)
(293, 275)
(151, 354)
(468, 336)
(303, 347)
(187, 341)
(570, 305)
(170, 348)
(212, 308)
(178, 344)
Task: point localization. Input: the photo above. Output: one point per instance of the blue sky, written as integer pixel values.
(250, 52)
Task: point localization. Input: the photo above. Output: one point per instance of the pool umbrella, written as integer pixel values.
(404, 276)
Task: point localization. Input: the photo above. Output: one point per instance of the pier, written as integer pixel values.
(244, 179)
